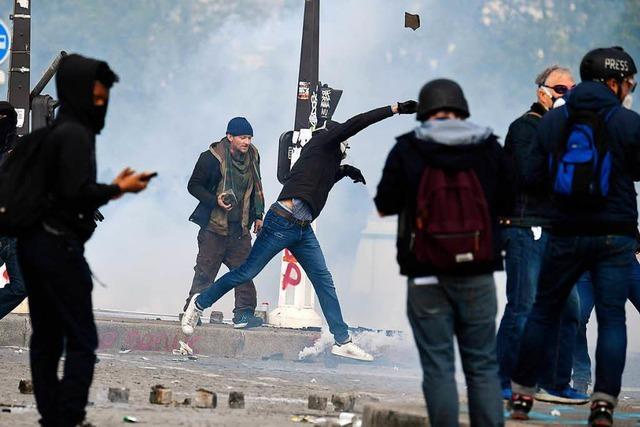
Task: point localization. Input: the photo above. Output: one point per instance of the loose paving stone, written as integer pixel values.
(118, 395)
(206, 399)
(236, 400)
(160, 395)
(25, 386)
(216, 317)
(317, 402)
(343, 402)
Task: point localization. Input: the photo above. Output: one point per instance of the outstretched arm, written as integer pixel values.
(357, 123)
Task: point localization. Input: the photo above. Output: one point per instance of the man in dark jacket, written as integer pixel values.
(524, 235)
(443, 302)
(14, 292)
(598, 238)
(288, 225)
(51, 254)
(226, 180)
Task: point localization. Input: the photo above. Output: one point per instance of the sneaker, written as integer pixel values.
(506, 393)
(601, 414)
(521, 405)
(182, 314)
(352, 351)
(191, 316)
(246, 320)
(567, 396)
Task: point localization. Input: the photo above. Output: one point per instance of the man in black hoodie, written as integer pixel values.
(459, 300)
(599, 238)
(14, 292)
(51, 254)
(288, 225)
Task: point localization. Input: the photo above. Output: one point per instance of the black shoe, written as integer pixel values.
(521, 404)
(601, 414)
(246, 320)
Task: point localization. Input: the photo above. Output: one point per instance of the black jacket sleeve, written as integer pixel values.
(506, 183)
(391, 194)
(357, 123)
(200, 185)
(518, 144)
(76, 171)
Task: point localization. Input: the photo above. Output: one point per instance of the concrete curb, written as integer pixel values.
(163, 336)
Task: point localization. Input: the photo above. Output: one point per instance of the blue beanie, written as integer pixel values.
(239, 126)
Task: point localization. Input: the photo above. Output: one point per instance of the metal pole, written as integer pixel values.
(20, 64)
(48, 75)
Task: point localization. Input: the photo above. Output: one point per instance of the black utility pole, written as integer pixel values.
(20, 64)
(309, 59)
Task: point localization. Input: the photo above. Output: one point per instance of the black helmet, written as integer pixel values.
(607, 63)
(441, 94)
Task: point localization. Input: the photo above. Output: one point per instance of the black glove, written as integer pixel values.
(407, 107)
(97, 216)
(353, 173)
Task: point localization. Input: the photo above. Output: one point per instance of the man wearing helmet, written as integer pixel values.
(597, 237)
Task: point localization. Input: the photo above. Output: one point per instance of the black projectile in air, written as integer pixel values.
(33, 109)
(315, 102)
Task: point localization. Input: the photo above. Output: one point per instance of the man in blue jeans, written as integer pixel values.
(581, 359)
(288, 225)
(524, 235)
(14, 292)
(456, 299)
(585, 235)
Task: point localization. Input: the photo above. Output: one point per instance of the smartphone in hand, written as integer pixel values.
(148, 177)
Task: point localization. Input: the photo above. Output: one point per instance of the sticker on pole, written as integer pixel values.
(4, 42)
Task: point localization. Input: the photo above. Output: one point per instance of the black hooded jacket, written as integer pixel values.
(71, 151)
(314, 174)
(398, 190)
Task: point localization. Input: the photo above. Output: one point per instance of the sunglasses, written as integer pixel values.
(561, 89)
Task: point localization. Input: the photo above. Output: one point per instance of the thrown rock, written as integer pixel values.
(160, 395)
(25, 386)
(236, 400)
(317, 402)
(206, 399)
(343, 402)
(118, 395)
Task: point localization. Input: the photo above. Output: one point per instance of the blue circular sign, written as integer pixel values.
(5, 42)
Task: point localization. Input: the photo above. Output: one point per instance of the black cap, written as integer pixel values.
(441, 94)
(607, 63)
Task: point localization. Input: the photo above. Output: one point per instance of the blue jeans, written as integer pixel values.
(523, 261)
(14, 292)
(566, 259)
(465, 307)
(581, 359)
(276, 235)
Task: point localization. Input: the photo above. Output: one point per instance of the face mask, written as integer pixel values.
(344, 146)
(559, 102)
(97, 118)
(553, 99)
(627, 102)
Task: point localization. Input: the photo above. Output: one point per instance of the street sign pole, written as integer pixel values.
(20, 64)
(296, 299)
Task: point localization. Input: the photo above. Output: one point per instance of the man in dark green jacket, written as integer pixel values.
(226, 181)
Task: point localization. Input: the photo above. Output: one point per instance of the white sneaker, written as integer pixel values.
(191, 316)
(351, 351)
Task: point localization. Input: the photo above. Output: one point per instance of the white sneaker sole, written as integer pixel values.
(240, 325)
(337, 351)
(550, 398)
(187, 329)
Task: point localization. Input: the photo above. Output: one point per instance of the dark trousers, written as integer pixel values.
(214, 250)
(59, 285)
(609, 261)
(13, 292)
(462, 308)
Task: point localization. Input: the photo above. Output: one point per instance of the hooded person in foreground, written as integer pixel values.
(51, 253)
(288, 225)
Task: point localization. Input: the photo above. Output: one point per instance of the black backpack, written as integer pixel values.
(24, 186)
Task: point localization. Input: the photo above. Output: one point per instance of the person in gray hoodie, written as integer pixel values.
(461, 300)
